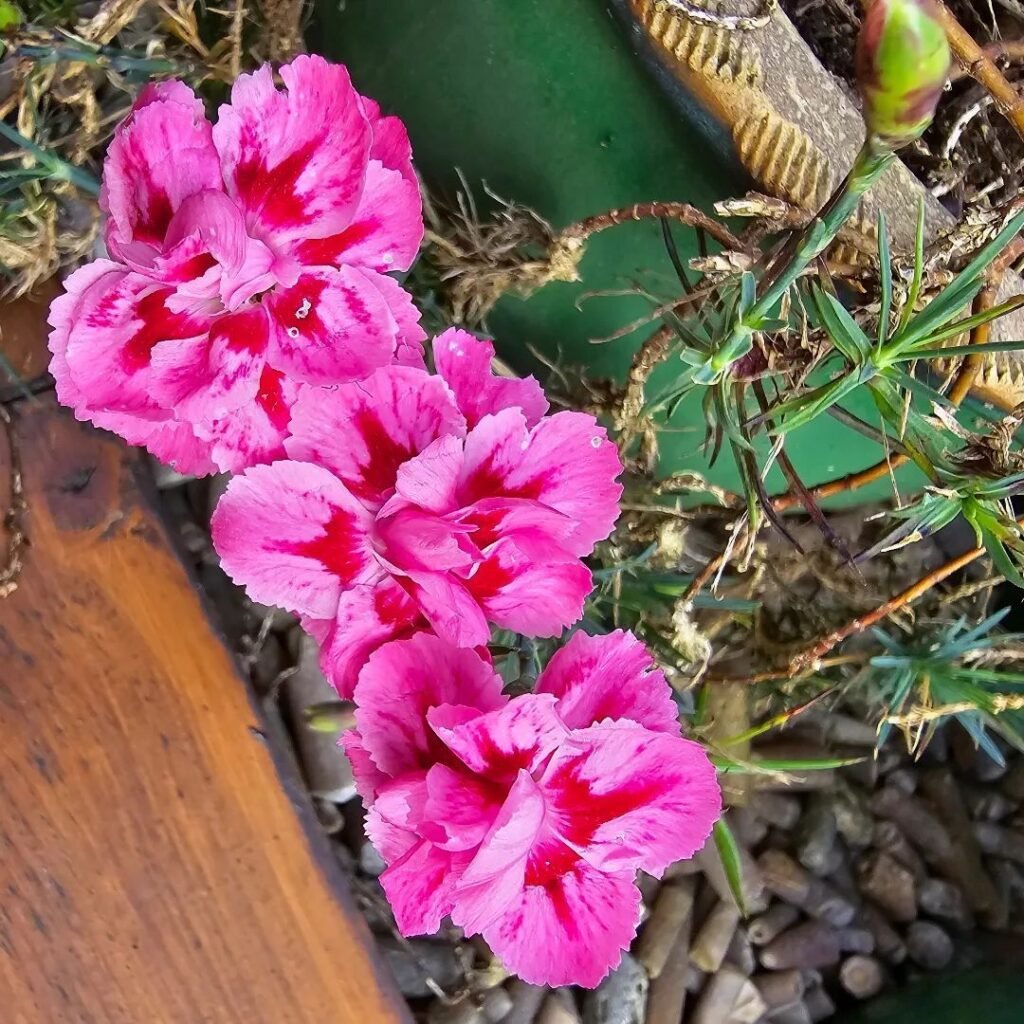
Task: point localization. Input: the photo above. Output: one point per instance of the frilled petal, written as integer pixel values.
(419, 885)
(571, 930)
(254, 432)
(211, 377)
(386, 228)
(611, 676)
(464, 362)
(368, 777)
(364, 431)
(493, 879)
(398, 686)
(429, 480)
(538, 531)
(531, 597)
(367, 617)
(408, 332)
(108, 334)
(161, 154)
(625, 798)
(293, 536)
(391, 146)
(330, 326)
(463, 806)
(566, 462)
(295, 160)
(210, 254)
(498, 745)
(452, 611)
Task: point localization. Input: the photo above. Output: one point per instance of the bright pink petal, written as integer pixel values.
(365, 431)
(462, 805)
(293, 536)
(398, 686)
(534, 598)
(368, 777)
(402, 802)
(210, 378)
(173, 443)
(391, 144)
(408, 332)
(625, 798)
(609, 677)
(565, 462)
(386, 228)
(498, 745)
(418, 887)
(430, 479)
(209, 230)
(569, 930)
(493, 879)
(367, 617)
(161, 154)
(538, 531)
(255, 432)
(452, 611)
(464, 362)
(119, 319)
(294, 160)
(330, 326)
(391, 841)
(415, 539)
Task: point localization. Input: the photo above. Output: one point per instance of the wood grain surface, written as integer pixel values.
(153, 869)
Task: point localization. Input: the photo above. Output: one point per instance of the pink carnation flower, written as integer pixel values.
(526, 820)
(248, 262)
(412, 501)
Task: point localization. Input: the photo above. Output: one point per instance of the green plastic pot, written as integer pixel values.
(550, 105)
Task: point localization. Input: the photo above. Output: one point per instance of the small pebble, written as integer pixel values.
(620, 998)
(889, 885)
(929, 946)
(861, 976)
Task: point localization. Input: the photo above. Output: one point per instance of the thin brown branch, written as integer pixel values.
(979, 65)
(682, 212)
(810, 658)
(1007, 49)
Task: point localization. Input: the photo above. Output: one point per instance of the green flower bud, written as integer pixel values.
(902, 64)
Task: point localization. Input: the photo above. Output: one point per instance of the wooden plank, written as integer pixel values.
(152, 867)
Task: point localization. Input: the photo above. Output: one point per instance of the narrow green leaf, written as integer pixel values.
(915, 283)
(952, 351)
(729, 852)
(844, 332)
(885, 278)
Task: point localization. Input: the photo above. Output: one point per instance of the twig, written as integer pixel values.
(809, 659)
(1010, 49)
(15, 513)
(682, 212)
(979, 65)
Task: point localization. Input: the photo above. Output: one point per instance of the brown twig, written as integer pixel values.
(1010, 49)
(979, 65)
(15, 513)
(682, 212)
(810, 658)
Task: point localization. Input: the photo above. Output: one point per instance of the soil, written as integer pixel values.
(970, 154)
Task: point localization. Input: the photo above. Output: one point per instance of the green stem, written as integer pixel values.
(874, 157)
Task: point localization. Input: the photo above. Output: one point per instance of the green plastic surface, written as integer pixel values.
(548, 104)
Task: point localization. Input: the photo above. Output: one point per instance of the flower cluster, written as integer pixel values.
(412, 501)
(526, 820)
(246, 322)
(248, 263)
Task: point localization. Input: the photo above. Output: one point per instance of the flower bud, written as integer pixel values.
(902, 63)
